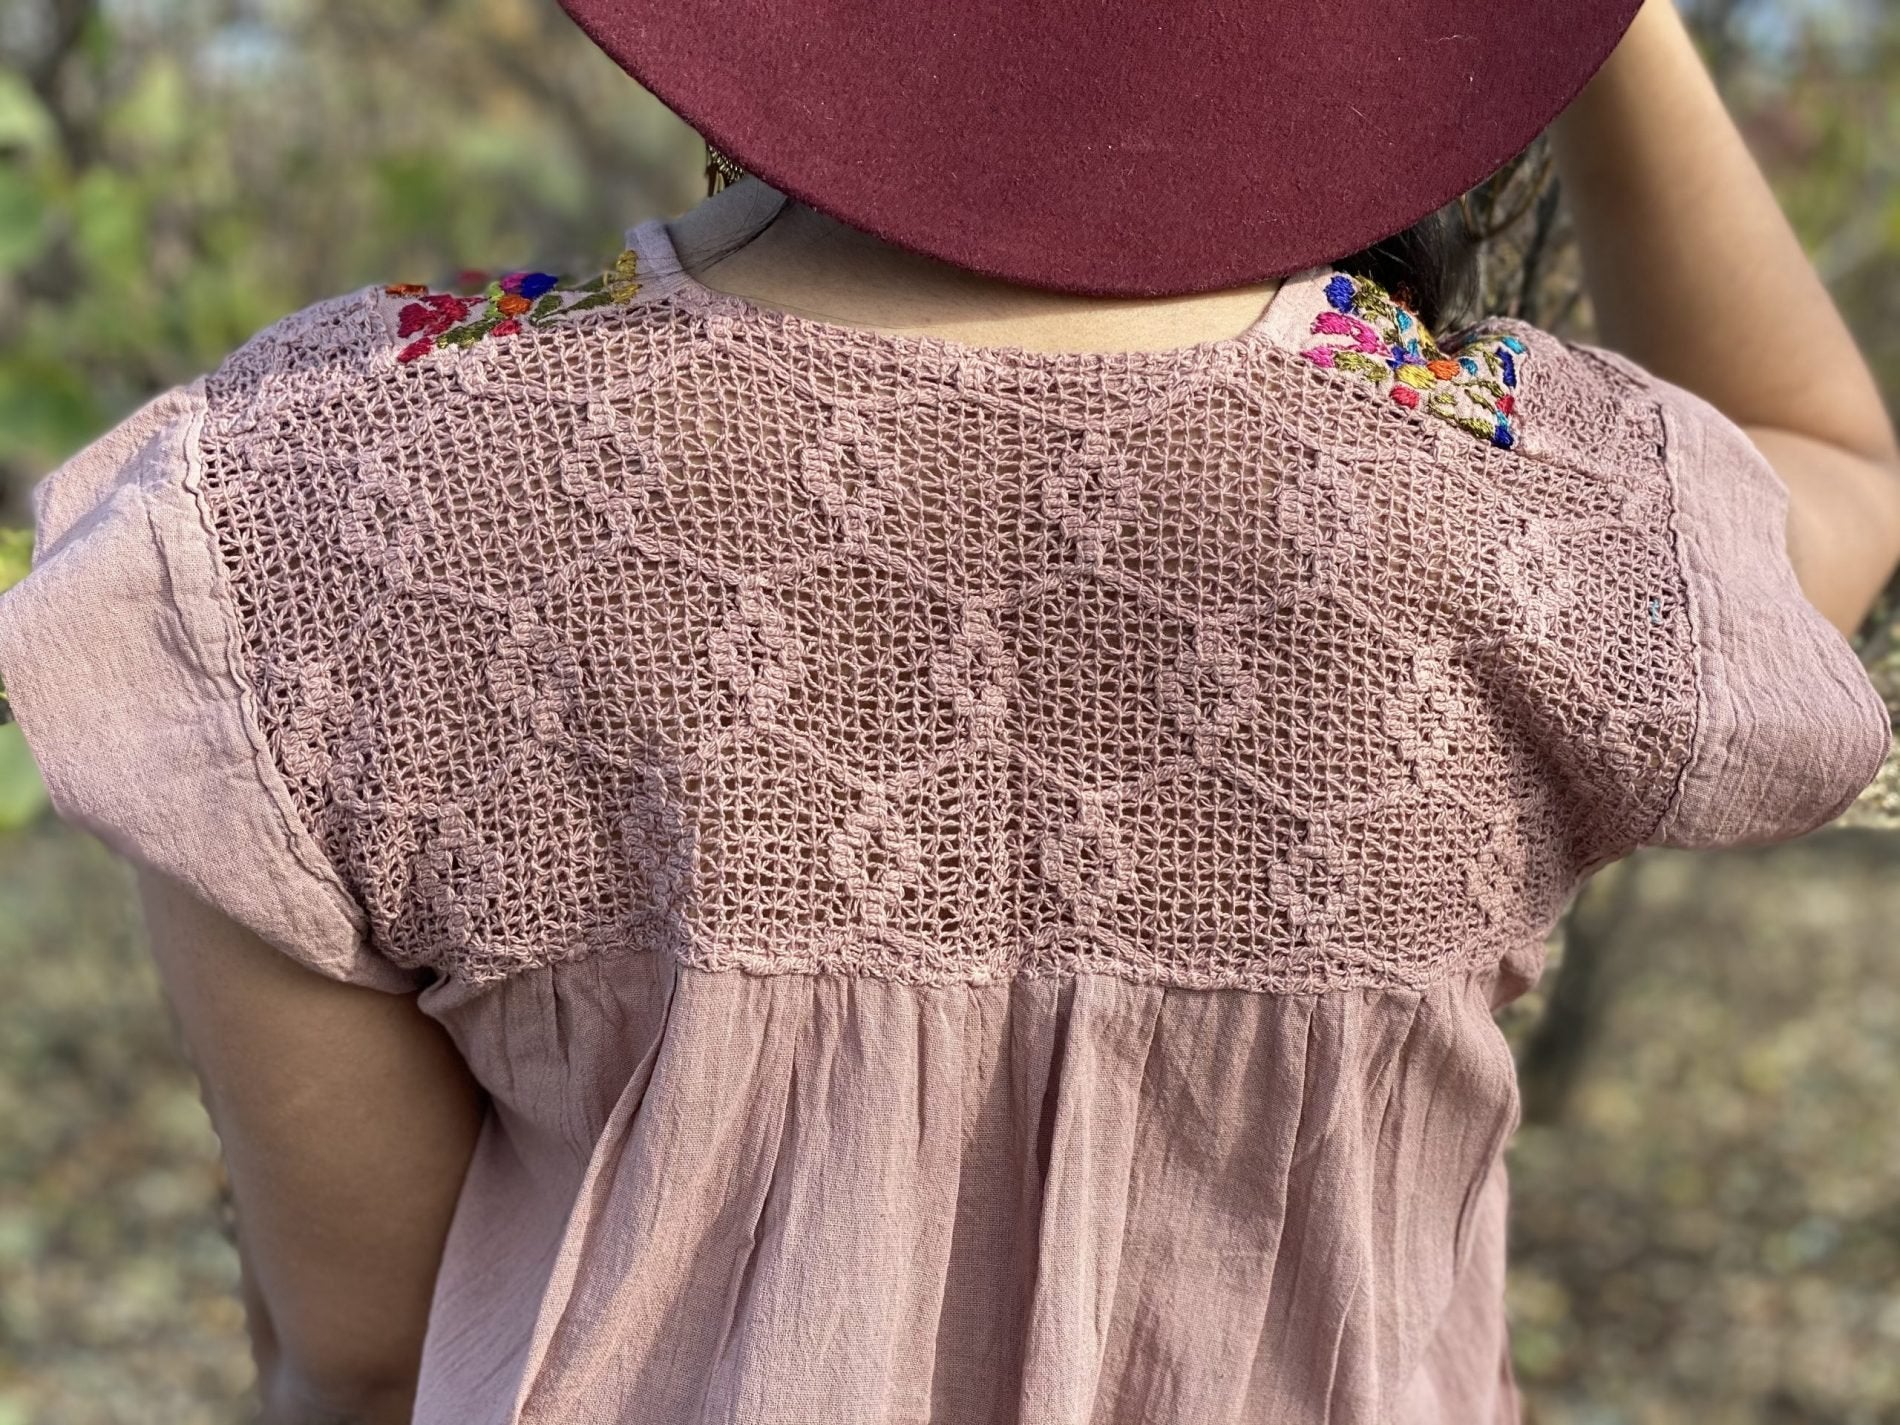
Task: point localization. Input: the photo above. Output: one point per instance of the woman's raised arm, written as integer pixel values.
(1696, 274)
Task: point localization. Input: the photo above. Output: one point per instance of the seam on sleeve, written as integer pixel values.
(366, 966)
(1672, 437)
(1785, 709)
(1679, 444)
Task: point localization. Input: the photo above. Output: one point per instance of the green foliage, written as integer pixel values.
(173, 178)
(16, 556)
(22, 796)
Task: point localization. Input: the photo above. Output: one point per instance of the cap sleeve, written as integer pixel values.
(118, 651)
(1789, 728)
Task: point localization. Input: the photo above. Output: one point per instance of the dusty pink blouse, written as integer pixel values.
(977, 879)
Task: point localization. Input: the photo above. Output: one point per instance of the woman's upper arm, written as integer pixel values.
(1843, 536)
(347, 1119)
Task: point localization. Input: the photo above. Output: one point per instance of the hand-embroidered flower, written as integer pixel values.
(1473, 385)
(529, 285)
(1365, 339)
(427, 319)
(442, 319)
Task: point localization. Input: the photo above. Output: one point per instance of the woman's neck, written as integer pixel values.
(806, 262)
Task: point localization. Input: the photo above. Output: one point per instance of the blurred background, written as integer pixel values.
(1706, 1189)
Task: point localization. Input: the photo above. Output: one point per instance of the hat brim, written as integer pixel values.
(1116, 147)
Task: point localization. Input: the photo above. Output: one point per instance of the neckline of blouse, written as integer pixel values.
(1279, 323)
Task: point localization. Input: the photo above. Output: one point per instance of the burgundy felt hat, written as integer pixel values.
(1116, 147)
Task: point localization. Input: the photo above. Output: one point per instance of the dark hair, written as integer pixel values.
(1430, 267)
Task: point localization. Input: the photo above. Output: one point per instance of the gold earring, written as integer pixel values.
(721, 171)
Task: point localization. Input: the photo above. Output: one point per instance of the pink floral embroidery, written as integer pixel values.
(1471, 385)
(442, 319)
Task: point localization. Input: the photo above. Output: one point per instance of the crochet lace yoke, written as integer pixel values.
(597, 619)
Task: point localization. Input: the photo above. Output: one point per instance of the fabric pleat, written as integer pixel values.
(1050, 1201)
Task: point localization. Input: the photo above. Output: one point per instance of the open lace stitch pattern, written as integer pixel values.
(679, 625)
